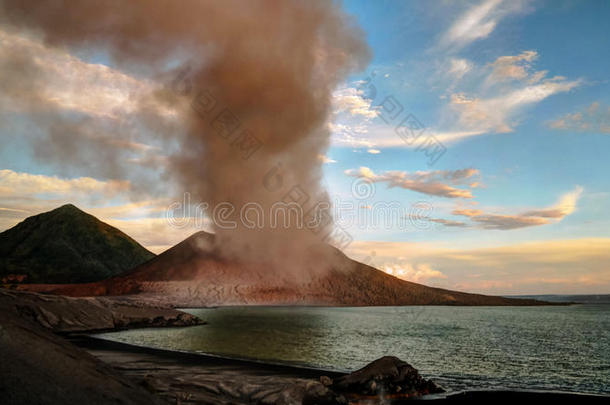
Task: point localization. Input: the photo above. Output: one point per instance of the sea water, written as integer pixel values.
(563, 348)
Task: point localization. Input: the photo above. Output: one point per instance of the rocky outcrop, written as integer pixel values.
(310, 393)
(65, 314)
(385, 380)
(386, 377)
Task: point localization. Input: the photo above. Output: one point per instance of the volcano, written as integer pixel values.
(192, 274)
(66, 245)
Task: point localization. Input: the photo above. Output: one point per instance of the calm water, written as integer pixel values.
(554, 348)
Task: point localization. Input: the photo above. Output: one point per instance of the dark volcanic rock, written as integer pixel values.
(38, 367)
(387, 376)
(65, 314)
(310, 393)
(66, 245)
(386, 380)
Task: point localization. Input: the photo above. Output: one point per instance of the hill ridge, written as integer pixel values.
(66, 245)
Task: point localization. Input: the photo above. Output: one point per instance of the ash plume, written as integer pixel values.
(251, 83)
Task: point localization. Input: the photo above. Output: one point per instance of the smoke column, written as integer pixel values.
(254, 73)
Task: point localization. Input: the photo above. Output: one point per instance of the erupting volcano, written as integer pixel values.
(243, 87)
(194, 273)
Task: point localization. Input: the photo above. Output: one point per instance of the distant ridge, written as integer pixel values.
(569, 298)
(192, 274)
(66, 245)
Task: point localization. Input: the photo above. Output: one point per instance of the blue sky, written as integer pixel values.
(530, 165)
(425, 53)
(515, 92)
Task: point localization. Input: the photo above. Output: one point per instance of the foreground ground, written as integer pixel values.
(49, 358)
(186, 378)
(39, 365)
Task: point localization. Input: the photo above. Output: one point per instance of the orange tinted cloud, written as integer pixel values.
(544, 267)
(437, 183)
(564, 207)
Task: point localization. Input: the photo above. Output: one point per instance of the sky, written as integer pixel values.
(469, 154)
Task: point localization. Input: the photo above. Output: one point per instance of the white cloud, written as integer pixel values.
(103, 111)
(514, 67)
(495, 113)
(13, 184)
(506, 87)
(459, 67)
(67, 82)
(479, 21)
(374, 151)
(565, 206)
(351, 100)
(475, 23)
(385, 136)
(325, 159)
(417, 273)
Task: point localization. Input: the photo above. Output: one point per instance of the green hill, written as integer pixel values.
(66, 245)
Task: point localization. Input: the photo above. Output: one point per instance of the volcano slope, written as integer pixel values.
(66, 245)
(192, 274)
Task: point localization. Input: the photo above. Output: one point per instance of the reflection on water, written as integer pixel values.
(560, 348)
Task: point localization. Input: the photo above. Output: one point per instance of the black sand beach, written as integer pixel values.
(200, 378)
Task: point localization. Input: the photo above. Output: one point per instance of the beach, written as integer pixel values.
(199, 378)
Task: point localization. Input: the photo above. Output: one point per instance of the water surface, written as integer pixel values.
(555, 348)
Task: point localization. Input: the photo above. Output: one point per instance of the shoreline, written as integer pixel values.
(99, 344)
(50, 345)
(87, 341)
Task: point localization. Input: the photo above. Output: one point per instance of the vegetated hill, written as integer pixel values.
(192, 274)
(66, 245)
